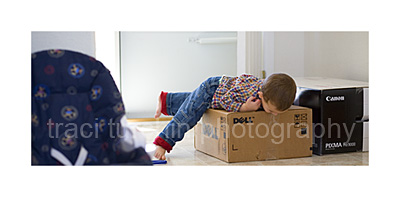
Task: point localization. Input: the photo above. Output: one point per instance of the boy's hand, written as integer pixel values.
(159, 153)
(252, 104)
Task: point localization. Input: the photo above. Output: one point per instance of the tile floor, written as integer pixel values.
(184, 153)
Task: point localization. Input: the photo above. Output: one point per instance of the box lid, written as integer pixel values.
(323, 83)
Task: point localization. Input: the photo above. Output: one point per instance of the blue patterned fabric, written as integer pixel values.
(76, 106)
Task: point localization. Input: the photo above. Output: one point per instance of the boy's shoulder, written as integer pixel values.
(245, 75)
(248, 78)
(241, 79)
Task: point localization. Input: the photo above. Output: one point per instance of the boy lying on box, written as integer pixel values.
(234, 94)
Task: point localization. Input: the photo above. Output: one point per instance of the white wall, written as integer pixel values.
(269, 52)
(323, 54)
(156, 61)
(162, 61)
(337, 54)
(289, 53)
(107, 51)
(83, 42)
(241, 52)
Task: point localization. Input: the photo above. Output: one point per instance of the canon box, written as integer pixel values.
(340, 113)
(255, 136)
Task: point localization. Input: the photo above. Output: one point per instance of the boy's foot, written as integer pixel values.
(159, 153)
(159, 106)
(161, 102)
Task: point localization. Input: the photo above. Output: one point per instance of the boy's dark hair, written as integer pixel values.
(280, 90)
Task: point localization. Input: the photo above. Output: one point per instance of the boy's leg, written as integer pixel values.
(189, 113)
(174, 101)
(169, 103)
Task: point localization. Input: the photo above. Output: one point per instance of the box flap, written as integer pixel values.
(219, 111)
(295, 107)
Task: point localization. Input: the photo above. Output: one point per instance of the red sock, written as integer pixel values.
(163, 96)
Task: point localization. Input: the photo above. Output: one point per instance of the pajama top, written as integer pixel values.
(232, 92)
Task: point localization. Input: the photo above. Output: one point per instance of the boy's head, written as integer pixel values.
(277, 93)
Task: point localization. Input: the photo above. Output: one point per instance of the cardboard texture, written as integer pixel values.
(255, 136)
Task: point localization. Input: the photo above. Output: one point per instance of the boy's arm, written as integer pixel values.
(252, 104)
(229, 104)
(234, 100)
(229, 101)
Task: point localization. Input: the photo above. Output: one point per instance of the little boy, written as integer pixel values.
(234, 94)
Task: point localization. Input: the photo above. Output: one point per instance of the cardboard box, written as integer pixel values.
(255, 136)
(340, 113)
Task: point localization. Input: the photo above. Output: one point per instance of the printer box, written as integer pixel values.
(340, 113)
(255, 136)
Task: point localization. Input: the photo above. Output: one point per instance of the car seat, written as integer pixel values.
(78, 116)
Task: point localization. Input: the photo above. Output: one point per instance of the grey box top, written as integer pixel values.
(323, 83)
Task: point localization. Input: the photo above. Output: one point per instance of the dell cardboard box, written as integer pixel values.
(340, 113)
(255, 136)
